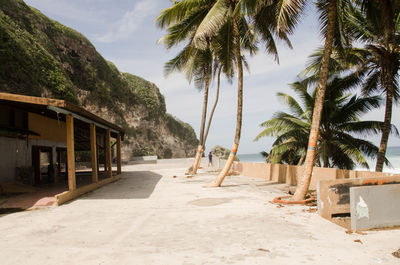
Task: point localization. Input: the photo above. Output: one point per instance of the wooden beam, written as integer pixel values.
(71, 153)
(93, 151)
(119, 164)
(108, 153)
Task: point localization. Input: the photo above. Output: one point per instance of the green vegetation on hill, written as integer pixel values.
(41, 57)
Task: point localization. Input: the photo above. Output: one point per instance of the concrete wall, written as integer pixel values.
(289, 173)
(13, 153)
(17, 153)
(375, 206)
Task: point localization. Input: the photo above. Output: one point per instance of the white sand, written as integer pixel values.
(149, 217)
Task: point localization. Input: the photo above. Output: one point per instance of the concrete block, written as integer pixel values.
(375, 206)
(333, 196)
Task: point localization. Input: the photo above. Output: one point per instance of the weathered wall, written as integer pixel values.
(17, 153)
(375, 206)
(289, 173)
(49, 129)
(13, 153)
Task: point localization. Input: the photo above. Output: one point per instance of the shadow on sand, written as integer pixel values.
(132, 185)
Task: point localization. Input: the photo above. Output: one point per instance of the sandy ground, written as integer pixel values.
(150, 217)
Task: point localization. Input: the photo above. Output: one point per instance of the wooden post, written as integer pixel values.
(71, 153)
(93, 151)
(105, 152)
(108, 154)
(119, 164)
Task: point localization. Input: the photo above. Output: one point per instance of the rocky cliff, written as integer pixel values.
(41, 57)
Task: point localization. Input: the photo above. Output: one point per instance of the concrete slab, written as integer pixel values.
(152, 217)
(375, 206)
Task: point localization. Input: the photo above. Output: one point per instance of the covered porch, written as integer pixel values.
(56, 131)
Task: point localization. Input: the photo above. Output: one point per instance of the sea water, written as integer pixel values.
(392, 153)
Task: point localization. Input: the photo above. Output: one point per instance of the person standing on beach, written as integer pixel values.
(209, 159)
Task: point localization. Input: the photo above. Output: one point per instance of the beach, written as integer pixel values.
(156, 215)
(393, 155)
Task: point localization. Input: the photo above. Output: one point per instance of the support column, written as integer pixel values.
(108, 154)
(119, 164)
(71, 153)
(93, 151)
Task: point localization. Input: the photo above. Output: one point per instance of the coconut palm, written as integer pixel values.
(182, 19)
(377, 63)
(376, 24)
(233, 17)
(332, 13)
(337, 145)
(198, 66)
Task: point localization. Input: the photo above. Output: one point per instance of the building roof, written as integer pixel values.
(53, 107)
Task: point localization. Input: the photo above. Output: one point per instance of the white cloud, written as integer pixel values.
(70, 10)
(129, 23)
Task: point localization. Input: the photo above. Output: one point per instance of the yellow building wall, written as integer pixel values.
(49, 129)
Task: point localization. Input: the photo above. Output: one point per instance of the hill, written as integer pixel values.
(41, 57)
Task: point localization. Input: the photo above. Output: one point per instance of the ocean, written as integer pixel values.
(392, 153)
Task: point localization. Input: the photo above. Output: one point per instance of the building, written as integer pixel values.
(40, 137)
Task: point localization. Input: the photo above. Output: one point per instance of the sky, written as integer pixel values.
(124, 32)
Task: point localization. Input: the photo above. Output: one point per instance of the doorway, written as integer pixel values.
(42, 162)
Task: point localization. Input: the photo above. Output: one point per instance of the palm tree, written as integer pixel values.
(337, 146)
(183, 20)
(332, 13)
(214, 105)
(376, 24)
(377, 63)
(233, 17)
(198, 65)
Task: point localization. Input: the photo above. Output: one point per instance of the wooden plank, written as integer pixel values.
(32, 100)
(108, 153)
(93, 151)
(71, 153)
(58, 103)
(119, 159)
(70, 195)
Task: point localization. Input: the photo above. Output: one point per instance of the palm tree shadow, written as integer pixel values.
(132, 185)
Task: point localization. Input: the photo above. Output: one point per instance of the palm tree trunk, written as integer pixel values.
(214, 107)
(389, 80)
(304, 182)
(386, 124)
(220, 178)
(200, 150)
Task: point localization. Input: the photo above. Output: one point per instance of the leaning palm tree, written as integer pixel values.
(337, 145)
(332, 13)
(183, 20)
(198, 66)
(233, 17)
(376, 64)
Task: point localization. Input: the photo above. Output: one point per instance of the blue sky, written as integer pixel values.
(124, 32)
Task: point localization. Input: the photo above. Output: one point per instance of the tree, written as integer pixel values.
(198, 65)
(337, 146)
(331, 16)
(376, 25)
(233, 18)
(377, 63)
(183, 20)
